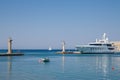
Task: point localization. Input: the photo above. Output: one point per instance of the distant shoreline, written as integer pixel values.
(26, 50)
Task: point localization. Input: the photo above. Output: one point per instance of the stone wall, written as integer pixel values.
(117, 45)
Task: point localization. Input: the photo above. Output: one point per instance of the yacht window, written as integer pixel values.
(109, 44)
(96, 44)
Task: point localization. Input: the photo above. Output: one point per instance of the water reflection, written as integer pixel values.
(63, 63)
(9, 66)
(82, 67)
(104, 65)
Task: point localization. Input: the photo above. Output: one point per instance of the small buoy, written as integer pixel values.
(113, 68)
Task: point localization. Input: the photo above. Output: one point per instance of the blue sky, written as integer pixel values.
(38, 24)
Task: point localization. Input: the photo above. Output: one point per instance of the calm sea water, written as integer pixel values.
(60, 67)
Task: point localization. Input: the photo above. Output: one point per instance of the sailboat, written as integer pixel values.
(49, 48)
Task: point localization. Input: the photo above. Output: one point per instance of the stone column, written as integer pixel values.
(63, 46)
(9, 46)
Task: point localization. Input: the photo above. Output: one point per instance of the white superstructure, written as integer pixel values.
(100, 46)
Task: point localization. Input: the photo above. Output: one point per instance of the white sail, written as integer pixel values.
(49, 48)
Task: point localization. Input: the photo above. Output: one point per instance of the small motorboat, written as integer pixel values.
(44, 60)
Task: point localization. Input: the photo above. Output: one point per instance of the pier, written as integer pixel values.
(69, 52)
(13, 54)
(66, 52)
(10, 53)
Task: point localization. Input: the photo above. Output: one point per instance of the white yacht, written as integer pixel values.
(100, 46)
